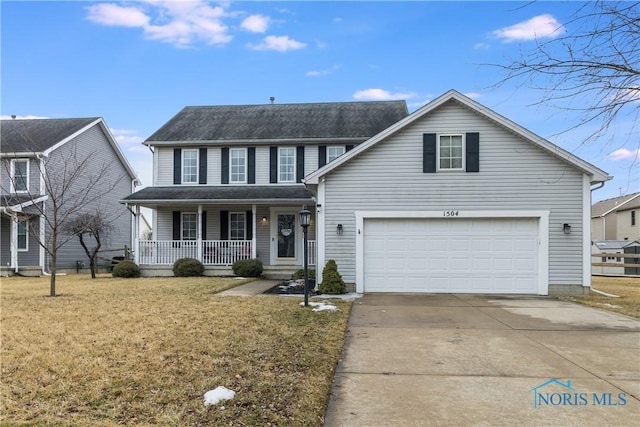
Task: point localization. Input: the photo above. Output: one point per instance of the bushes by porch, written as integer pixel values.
(188, 267)
(248, 268)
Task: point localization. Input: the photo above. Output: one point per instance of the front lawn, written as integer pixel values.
(627, 288)
(144, 351)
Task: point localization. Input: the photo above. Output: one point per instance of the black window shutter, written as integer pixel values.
(273, 165)
(224, 166)
(177, 166)
(176, 225)
(299, 163)
(429, 153)
(202, 167)
(322, 156)
(224, 225)
(473, 151)
(348, 148)
(203, 226)
(251, 165)
(249, 219)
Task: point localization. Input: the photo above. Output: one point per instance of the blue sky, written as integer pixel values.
(137, 63)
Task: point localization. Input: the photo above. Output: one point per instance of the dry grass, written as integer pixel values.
(144, 351)
(627, 288)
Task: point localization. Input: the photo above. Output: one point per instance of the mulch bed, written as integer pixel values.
(290, 287)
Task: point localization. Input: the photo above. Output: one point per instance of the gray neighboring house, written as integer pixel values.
(456, 198)
(616, 218)
(227, 180)
(27, 147)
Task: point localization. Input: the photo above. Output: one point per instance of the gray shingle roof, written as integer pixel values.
(281, 121)
(37, 135)
(252, 193)
(8, 201)
(607, 205)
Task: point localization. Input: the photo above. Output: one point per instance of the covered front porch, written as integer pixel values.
(220, 231)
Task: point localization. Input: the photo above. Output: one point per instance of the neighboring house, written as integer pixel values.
(617, 218)
(451, 198)
(457, 198)
(616, 257)
(227, 180)
(34, 149)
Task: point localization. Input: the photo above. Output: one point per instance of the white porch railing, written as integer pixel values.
(211, 252)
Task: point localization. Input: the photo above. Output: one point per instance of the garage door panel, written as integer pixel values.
(451, 255)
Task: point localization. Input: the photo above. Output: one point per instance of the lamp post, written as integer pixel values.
(305, 219)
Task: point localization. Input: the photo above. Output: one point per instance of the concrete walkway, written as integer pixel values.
(251, 288)
(465, 360)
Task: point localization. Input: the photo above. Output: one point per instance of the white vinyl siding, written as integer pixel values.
(287, 164)
(189, 166)
(514, 174)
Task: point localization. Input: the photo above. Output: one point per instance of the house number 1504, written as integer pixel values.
(450, 213)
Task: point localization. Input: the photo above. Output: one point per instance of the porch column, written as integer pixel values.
(199, 234)
(255, 231)
(14, 242)
(136, 236)
(42, 232)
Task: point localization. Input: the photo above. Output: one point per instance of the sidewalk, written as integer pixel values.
(251, 289)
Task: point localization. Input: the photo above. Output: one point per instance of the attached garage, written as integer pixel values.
(431, 253)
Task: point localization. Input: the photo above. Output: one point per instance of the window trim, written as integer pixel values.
(293, 173)
(329, 147)
(26, 231)
(243, 222)
(182, 229)
(13, 176)
(246, 165)
(197, 178)
(463, 166)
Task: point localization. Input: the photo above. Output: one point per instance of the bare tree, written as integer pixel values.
(71, 182)
(597, 59)
(94, 226)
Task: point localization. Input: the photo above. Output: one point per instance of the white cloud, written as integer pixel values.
(255, 24)
(624, 154)
(381, 95)
(27, 117)
(180, 23)
(126, 137)
(472, 95)
(325, 72)
(278, 43)
(538, 27)
(481, 45)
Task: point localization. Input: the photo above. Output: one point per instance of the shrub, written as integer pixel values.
(332, 282)
(299, 274)
(247, 268)
(188, 267)
(126, 269)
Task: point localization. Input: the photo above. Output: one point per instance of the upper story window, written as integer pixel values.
(287, 164)
(20, 175)
(23, 235)
(237, 226)
(238, 170)
(189, 166)
(189, 226)
(335, 152)
(450, 152)
(633, 218)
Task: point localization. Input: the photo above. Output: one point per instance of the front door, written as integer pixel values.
(284, 237)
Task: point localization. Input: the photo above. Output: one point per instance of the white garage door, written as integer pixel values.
(451, 255)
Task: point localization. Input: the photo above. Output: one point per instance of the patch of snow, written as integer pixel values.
(321, 306)
(344, 297)
(606, 304)
(239, 278)
(218, 394)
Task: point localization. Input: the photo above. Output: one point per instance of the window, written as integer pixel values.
(23, 235)
(334, 152)
(633, 218)
(237, 226)
(20, 176)
(189, 226)
(189, 166)
(450, 152)
(238, 165)
(287, 165)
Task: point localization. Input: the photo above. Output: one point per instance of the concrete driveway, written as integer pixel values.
(469, 360)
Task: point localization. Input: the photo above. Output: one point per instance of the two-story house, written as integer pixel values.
(227, 181)
(617, 218)
(42, 155)
(450, 198)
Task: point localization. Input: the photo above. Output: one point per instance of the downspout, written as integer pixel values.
(604, 220)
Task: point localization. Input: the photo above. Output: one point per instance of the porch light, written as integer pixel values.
(339, 229)
(264, 219)
(305, 219)
(566, 228)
